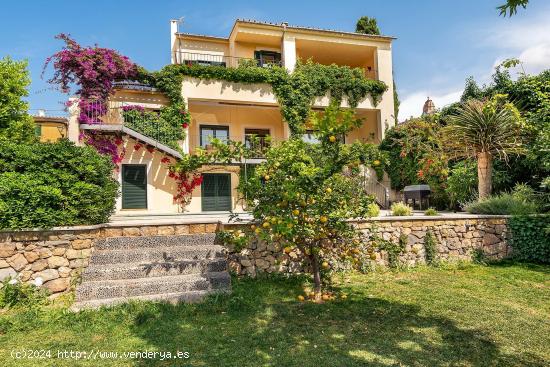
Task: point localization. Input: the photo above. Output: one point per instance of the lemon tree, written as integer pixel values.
(304, 194)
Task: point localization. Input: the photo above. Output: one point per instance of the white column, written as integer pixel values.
(289, 52)
(73, 126)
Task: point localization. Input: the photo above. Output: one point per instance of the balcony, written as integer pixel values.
(256, 146)
(191, 58)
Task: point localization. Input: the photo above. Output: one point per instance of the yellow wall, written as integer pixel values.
(52, 131)
(237, 118)
(368, 131)
(160, 188)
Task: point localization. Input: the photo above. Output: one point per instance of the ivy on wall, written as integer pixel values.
(295, 92)
(531, 237)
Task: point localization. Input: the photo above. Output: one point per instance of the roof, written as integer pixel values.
(59, 119)
(285, 25)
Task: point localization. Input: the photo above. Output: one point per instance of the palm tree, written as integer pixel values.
(483, 130)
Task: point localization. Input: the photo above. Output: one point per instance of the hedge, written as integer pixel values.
(44, 185)
(531, 237)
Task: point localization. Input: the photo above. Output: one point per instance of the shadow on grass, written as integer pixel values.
(510, 263)
(261, 324)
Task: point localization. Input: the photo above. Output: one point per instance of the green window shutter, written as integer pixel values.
(37, 130)
(216, 192)
(134, 186)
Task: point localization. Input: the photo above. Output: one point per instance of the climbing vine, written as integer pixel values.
(296, 92)
(94, 70)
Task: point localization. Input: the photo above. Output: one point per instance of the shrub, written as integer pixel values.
(373, 210)
(430, 246)
(400, 209)
(531, 237)
(503, 204)
(14, 294)
(521, 201)
(431, 212)
(54, 184)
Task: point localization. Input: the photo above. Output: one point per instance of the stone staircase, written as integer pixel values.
(182, 268)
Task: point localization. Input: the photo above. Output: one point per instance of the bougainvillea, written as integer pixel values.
(186, 183)
(107, 145)
(93, 70)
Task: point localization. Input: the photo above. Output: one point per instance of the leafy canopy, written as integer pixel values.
(511, 7)
(493, 126)
(15, 123)
(367, 25)
(304, 193)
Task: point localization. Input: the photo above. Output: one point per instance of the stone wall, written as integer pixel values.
(57, 257)
(457, 238)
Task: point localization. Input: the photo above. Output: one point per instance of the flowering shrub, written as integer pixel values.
(93, 69)
(105, 144)
(186, 183)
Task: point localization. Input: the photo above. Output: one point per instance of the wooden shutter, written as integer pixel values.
(216, 192)
(134, 186)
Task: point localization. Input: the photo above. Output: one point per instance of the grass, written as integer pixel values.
(463, 315)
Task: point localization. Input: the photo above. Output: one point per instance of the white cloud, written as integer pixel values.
(412, 104)
(526, 39)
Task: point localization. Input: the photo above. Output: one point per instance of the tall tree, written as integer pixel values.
(367, 25)
(511, 7)
(15, 123)
(484, 130)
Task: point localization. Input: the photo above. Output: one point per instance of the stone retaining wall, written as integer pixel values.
(57, 257)
(457, 239)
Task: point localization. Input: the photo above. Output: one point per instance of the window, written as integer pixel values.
(267, 58)
(37, 130)
(309, 137)
(257, 139)
(213, 132)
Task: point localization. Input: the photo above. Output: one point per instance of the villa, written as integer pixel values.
(248, 113)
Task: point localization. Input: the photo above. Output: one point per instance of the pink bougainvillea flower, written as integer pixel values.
(137, 147)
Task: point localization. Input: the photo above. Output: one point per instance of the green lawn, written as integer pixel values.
(468, 315)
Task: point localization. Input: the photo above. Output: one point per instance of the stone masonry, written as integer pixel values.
(57, 257)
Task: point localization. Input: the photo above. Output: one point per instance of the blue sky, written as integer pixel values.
(439, 44)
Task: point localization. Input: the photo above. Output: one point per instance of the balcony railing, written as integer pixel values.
(191, 58)
(256, 146)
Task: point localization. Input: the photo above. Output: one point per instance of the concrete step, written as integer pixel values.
(156, 254)
(150, 270)
(189, 297)
(125, 288)
(122, 243)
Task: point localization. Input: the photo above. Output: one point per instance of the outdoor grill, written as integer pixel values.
(418, 193)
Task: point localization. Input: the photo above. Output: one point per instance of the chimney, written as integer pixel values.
(173, 31)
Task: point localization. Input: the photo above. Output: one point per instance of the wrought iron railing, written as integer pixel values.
(194, 58)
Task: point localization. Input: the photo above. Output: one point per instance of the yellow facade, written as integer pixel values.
(237, 109)
(50, 129)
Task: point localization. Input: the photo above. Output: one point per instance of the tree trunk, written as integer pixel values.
(484, 174)
(316, 275)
